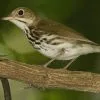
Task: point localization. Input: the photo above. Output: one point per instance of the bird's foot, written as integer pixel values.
(30, 86)
(3, 57)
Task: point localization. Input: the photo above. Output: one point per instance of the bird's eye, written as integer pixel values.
(21, 12)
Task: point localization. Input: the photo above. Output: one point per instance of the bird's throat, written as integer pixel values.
(21, 25)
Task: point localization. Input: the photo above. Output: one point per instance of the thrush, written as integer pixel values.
(52, 38)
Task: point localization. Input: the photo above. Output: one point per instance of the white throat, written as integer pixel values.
(21, 25)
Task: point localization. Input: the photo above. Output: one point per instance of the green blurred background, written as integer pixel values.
(81, 15)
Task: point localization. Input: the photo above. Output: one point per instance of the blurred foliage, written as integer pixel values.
(81, 15)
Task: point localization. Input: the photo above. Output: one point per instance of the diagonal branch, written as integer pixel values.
(50, 78)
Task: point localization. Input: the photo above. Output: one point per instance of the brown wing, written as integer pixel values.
(62, 30)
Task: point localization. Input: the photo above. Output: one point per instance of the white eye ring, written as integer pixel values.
(21, 12)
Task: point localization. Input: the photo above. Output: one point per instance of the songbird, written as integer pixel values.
(51, 38)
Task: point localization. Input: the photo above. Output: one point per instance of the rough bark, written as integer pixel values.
(42, 77)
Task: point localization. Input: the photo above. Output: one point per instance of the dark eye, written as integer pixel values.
(20, 12)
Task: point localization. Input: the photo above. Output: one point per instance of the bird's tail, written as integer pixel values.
(96, 49)
(87, 48)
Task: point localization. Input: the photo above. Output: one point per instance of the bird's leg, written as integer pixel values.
(59, 54)
(50, 61)
(72, 60)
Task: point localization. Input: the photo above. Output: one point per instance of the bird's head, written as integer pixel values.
(22, 17)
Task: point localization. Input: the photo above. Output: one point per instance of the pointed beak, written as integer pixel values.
(7, 18)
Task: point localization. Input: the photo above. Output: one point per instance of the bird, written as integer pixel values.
(52, 39)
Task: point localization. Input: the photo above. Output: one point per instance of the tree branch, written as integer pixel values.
(42, 77)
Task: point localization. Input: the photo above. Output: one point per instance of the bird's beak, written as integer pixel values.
(7, 18)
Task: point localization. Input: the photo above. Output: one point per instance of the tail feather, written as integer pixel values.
(96, 49)
(87, 48)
